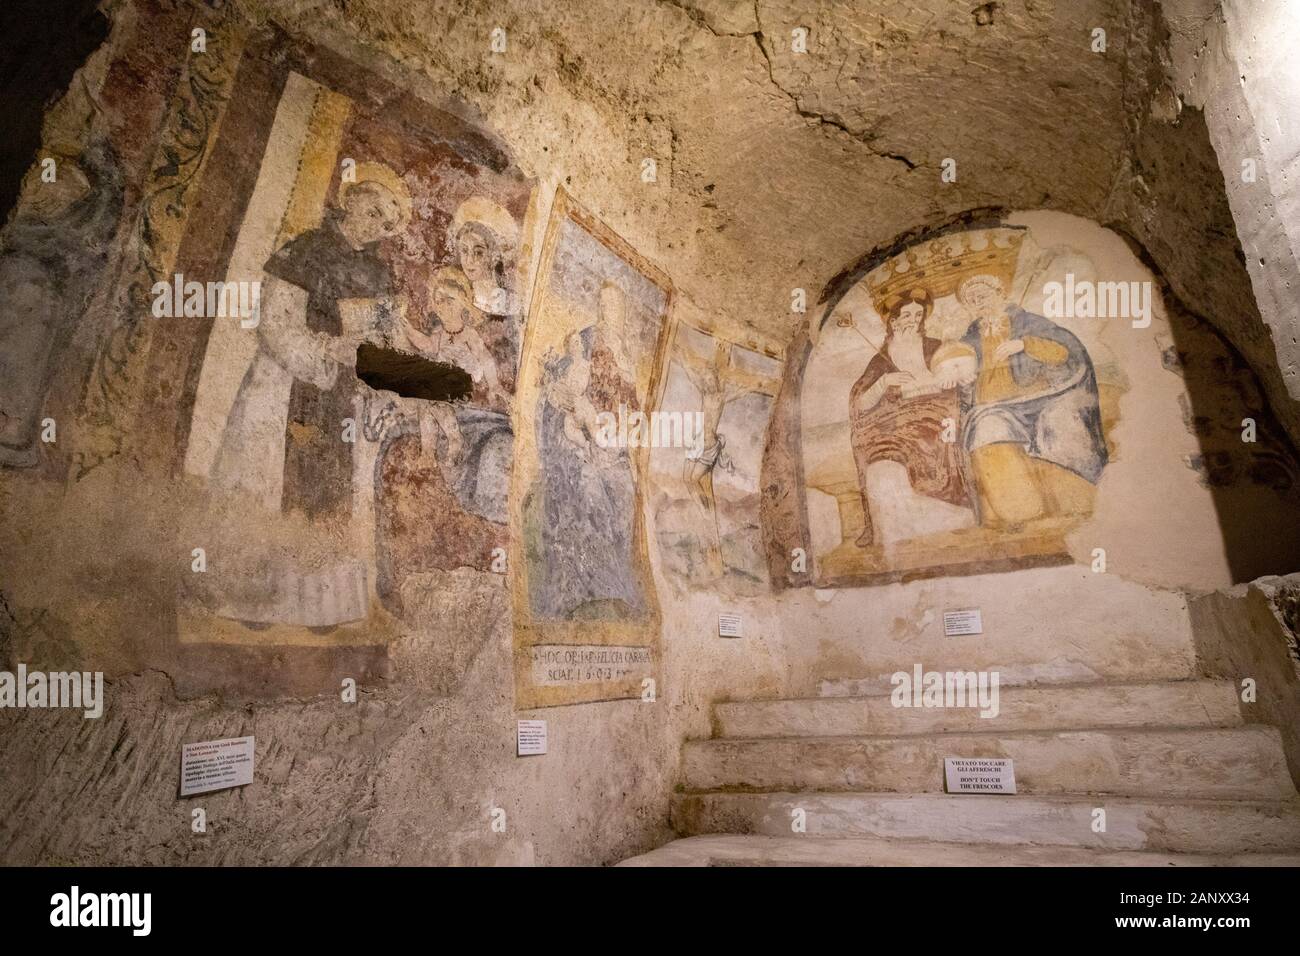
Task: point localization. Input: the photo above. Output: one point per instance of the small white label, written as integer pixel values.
(216, 765)
(957, 623)
(729, 625)
(530, 738)
(979, 775)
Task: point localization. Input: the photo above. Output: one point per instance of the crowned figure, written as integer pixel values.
(1003, 421)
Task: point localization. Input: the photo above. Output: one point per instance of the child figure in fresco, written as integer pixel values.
(448, 335)
(569, 395)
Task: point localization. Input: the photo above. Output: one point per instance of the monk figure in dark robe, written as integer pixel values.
(281, 444)
(323, 292)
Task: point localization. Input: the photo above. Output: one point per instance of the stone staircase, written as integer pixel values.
(1181, 777)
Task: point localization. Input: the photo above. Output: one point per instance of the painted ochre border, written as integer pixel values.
(529, 632)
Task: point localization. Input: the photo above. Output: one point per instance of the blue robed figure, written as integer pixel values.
(1031, 416)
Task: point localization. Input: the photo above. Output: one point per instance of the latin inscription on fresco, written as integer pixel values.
(567, 665)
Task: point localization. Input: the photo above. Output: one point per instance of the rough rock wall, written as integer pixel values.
(1179, 194)
(1248, 634)
(1235, 62)
(39, 62)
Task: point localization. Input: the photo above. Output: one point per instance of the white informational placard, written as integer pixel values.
(216, 765)
(530, 738)
(979, 775)
(729, 625)
(958, 623)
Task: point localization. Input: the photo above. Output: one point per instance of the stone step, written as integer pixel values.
(1155, 667)
(724, 850)
(1245, 762)
(1201, 703)
(1131, 824)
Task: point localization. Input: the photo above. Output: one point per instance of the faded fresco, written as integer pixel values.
(974, 431)
(586, 613)
(377, 247)
(46, 282)
(706, 490)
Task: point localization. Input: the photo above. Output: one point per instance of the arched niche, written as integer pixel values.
(1055, 406)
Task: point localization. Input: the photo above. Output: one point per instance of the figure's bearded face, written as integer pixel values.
(908, 320)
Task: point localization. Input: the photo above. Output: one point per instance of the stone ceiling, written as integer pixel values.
(778, 170)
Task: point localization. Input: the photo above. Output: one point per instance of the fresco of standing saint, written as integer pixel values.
(351, 502)
(706, 490)
(294, 382)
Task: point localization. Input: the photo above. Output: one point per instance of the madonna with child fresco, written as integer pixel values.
(446, 474)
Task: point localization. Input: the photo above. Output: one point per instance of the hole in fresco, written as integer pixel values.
(411, 376)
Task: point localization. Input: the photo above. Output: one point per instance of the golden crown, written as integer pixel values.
(940, 265)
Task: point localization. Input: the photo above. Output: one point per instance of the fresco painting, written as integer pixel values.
(382, 233)
(598, 327)
(706, 498)
(974, 432)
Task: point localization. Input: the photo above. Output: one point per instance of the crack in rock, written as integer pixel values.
(699, 18)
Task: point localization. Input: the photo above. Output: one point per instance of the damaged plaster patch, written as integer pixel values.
(411, 376)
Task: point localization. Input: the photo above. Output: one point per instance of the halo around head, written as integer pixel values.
(382, 175)
(492, 216)
(990, 282)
